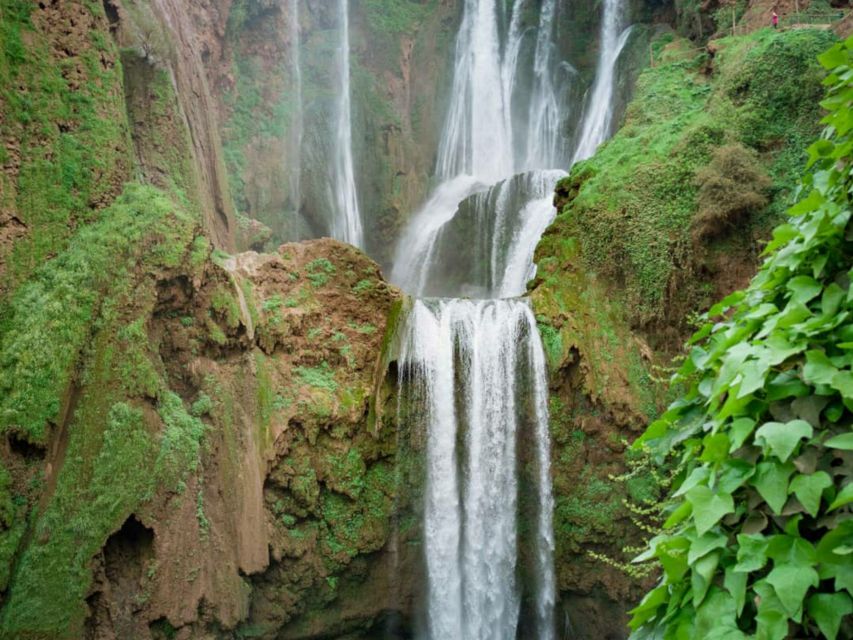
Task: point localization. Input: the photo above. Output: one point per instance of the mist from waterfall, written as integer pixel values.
(598, 114)
(347, 220)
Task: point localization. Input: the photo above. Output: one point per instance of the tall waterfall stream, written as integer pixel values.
(470, 348)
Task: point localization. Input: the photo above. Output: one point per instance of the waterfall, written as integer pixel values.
(347, 221)
(489, 355)
(475, 366)
(543, 126)
(477, 137)
(598, 117)
(521, 232)
(481, 245)
(298, 123)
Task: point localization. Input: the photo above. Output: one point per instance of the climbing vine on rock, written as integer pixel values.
(759, 536)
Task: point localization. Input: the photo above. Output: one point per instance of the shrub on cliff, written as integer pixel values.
(731, 187)
(759, 538)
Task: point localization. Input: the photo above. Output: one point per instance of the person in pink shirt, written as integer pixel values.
(775, 19)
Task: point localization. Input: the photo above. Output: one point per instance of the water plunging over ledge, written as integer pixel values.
(487, 353)
(477, 366)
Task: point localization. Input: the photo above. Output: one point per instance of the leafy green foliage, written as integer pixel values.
(759, 538)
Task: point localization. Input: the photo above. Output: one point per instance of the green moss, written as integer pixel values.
(363, 286)
(181, 440)
(397, 18)
(591, 512)
(112, 463)
(202, 406)
(272, 303)
(50, 317)
(74, 145)
(319, 271)
(322, 377)
(223, 302)
(634, 203)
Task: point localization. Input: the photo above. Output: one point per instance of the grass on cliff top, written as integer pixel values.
(638, 194)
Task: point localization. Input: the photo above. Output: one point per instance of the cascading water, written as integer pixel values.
(487, 353)
(477, 365)
(483, 246)
(543, 125)
(477, 137)
(598, 118)
(347, 222)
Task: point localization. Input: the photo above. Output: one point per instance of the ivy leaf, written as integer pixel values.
(835, 557)
(697, 476)
(827, 610)
(648, 607)
(672, 554)
(803, 288)
(751, 553)
(753, 374)
(734, 473)
(818, 368)
(831, 299)
(702, 576)
(716, 448)
(844, 441)
(739, 431)
(705, 544)
(783, 438)
(835, 57)
(771, 480)
(845, 496)
(791, 582)
(772, 618)
(715, 618)
(678, 515)
(708, 507)
(843, 383)
(808, 489)
(735, 584)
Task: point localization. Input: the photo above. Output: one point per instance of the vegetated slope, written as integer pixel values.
(759, 535)
(64, 143)
(186, 436)
(668, 214)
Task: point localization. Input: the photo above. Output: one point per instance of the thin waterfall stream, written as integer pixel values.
(347, 222)
(470, 350)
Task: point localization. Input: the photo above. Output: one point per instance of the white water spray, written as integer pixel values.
(478, 365)
(483, 351)
(598, 118)
(477, 138)
(543, 125)
(347, 222)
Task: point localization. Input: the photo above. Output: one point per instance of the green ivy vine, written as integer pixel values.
(758, 541)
